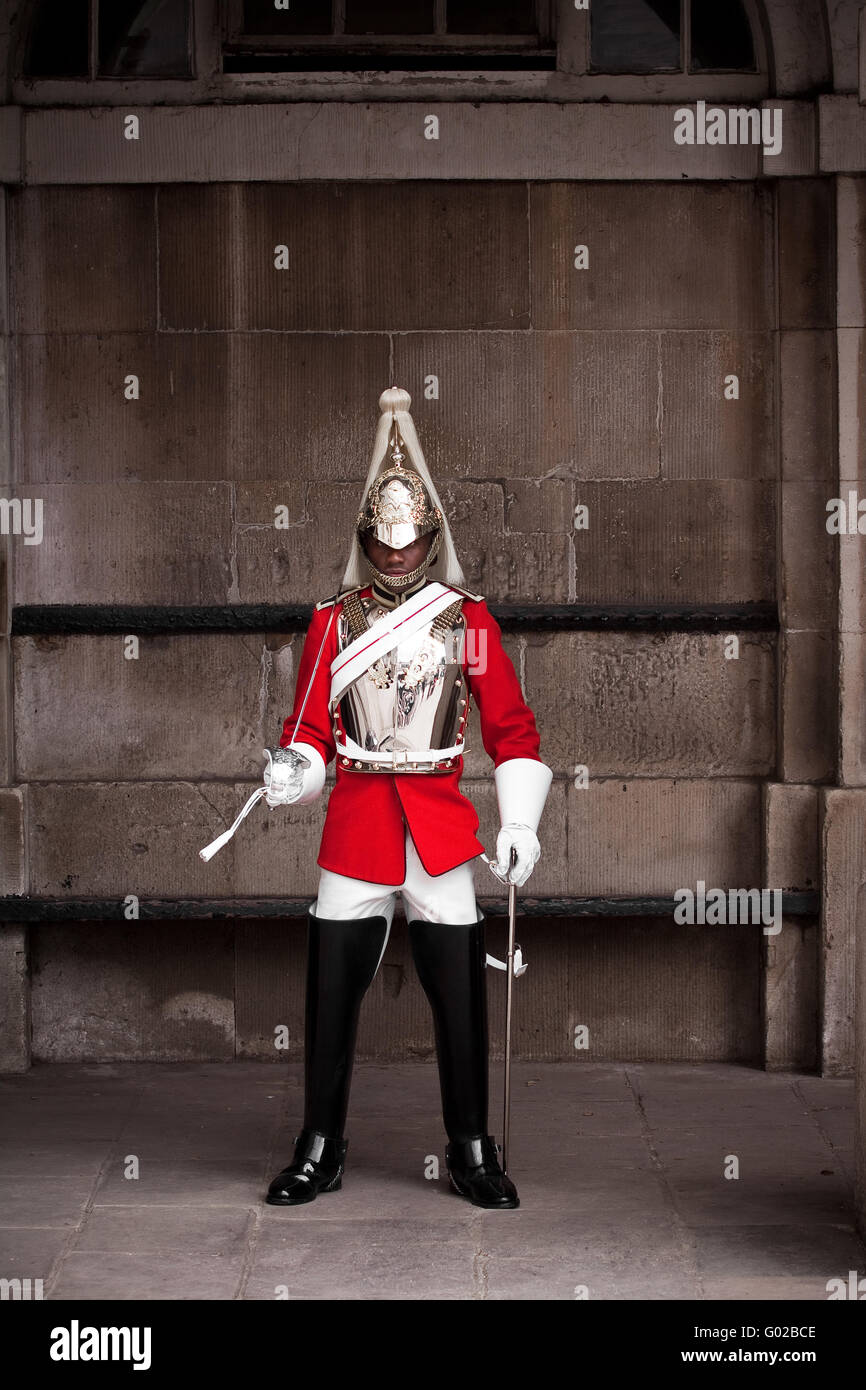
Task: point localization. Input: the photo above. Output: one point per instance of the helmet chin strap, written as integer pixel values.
(395, 583)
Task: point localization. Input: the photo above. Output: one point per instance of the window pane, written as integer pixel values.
(635, 35)
(487, 17)
(144, 38)
(302, 17)
(389, 16)
(721, 37)
(59, 40)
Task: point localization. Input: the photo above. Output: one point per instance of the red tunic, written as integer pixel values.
(364, 833)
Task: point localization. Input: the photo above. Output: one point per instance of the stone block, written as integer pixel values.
(860, 1059)
(649, 252)
(137, 543)
(702, 433)
(567, 134)
(303, 561)
(134, 991)
(5, 708)
(806, 212)
(418, 255)
(790, 997)
(11, 124)
(83, 259)
(270, 985)
(210, 406)
(190, 706)
(850, 407)
(851, 252)
(801, 59)
(110, 840)
(843, 871)
(74, 423)
(588, 403)
(676, 542)
(14, 998)
(808, 712)
(808, 405)
(653, 704)
(644, 837)
(809, 556)
(13, 861)
(841, 134)
(852, 709)
(790, 837)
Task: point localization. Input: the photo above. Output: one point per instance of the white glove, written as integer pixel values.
(293, 776)
(522, 785)
(525, 842)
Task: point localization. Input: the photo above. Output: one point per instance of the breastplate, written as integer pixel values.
(412, 703)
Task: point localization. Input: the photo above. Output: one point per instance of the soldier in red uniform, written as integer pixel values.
(389, 669)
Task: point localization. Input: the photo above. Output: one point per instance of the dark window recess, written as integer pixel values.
(721, 37)
(390, 60)
(59, 44)
(484, 17)
(635, 35)
(389, 17)
(144, 38)
(299, 17)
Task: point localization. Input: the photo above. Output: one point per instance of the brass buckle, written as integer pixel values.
(399, 757)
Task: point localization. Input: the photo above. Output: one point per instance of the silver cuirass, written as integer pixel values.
(412, 701)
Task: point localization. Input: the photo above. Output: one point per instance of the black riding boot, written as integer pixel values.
(341, 961)
(451, 965)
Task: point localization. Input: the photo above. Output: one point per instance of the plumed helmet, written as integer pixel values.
(397, 508)
(399, 502)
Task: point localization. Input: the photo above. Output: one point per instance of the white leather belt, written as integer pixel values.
(396, 759)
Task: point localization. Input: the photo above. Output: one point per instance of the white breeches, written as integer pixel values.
(449, 897)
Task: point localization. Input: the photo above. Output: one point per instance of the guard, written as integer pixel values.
(389, 670)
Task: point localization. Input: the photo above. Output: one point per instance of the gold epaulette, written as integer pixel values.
(338, 598)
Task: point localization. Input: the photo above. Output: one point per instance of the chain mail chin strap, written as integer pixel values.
(396, 582)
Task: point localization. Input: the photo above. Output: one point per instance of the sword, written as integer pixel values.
(509, 977)
(513, 965)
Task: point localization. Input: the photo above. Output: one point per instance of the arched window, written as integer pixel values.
(109, 38)
(348, 35)
(694, 36)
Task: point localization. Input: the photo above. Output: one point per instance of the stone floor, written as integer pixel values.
(620, 1168)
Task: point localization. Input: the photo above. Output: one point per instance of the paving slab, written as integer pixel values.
(776, 1251)
(768, 1201)
(30, 1253)
(185, 1182)
(148, 1230)
(28, 1200)
(396, 1258)
(102, 1276)
(52, 1155)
